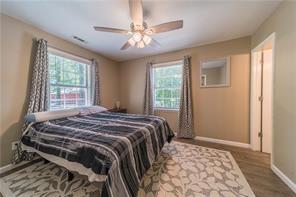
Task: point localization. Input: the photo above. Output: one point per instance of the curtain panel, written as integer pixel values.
(148, 96)
(38, 97)
(96, 83)
(185, 110)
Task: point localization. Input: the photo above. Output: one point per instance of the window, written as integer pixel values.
(70, 84)
(167, 79)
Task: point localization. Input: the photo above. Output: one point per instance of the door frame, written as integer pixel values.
(254, 139)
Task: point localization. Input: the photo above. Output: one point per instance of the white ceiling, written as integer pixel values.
(204, 21)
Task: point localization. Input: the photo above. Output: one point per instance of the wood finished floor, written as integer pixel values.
(255, 167)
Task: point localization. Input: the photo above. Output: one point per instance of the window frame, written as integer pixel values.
(164, 64)
(88, 78)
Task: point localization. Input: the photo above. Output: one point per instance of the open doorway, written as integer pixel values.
(262, 69)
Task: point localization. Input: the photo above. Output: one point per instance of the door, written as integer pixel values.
(262, 96)
(256, 108)
(266, 100)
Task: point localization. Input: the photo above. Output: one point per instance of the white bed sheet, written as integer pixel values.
(72, 166)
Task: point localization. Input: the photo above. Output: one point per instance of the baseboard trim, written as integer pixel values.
(12, 166)
(226, 142)
(6, 168)
(284, 178)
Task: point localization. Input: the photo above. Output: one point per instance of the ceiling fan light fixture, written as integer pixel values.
(137, 36)
(147, 39)
(139, 32)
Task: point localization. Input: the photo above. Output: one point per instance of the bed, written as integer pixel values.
(114, 148)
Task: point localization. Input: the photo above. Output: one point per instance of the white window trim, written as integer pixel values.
(157, 65)
(89, 80)
(69, 55)
(166, 64)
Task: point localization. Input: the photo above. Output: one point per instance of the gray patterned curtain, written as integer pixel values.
(185, 111)
(38, 98)
(96, 83)
(148, 97)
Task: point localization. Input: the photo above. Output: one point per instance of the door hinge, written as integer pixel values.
(260, 98)
(260, 134)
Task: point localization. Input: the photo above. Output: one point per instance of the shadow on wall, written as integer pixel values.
(14, 132)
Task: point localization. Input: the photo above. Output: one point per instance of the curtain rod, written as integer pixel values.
(53, 47)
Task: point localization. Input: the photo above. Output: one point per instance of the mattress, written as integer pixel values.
(114, 147)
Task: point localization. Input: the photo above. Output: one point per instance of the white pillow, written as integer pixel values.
(51, 115)
(91, 110)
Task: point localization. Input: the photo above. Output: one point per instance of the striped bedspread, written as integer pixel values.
(120, 146)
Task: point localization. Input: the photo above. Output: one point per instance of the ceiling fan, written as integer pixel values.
(139, 30)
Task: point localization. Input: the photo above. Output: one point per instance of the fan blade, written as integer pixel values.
(164, 27)
(113, 30)
(136, 10)
(125, 46)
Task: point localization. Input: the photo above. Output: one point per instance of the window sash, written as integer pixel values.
(87, 87)
(75, 100)
(171, 88)
(69, 86)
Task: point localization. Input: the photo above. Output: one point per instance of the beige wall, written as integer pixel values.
(221, 113)
(16, 44)
(283, 23)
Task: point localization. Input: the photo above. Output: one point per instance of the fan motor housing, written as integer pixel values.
(138, 27)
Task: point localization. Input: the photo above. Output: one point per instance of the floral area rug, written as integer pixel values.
(181, 170)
